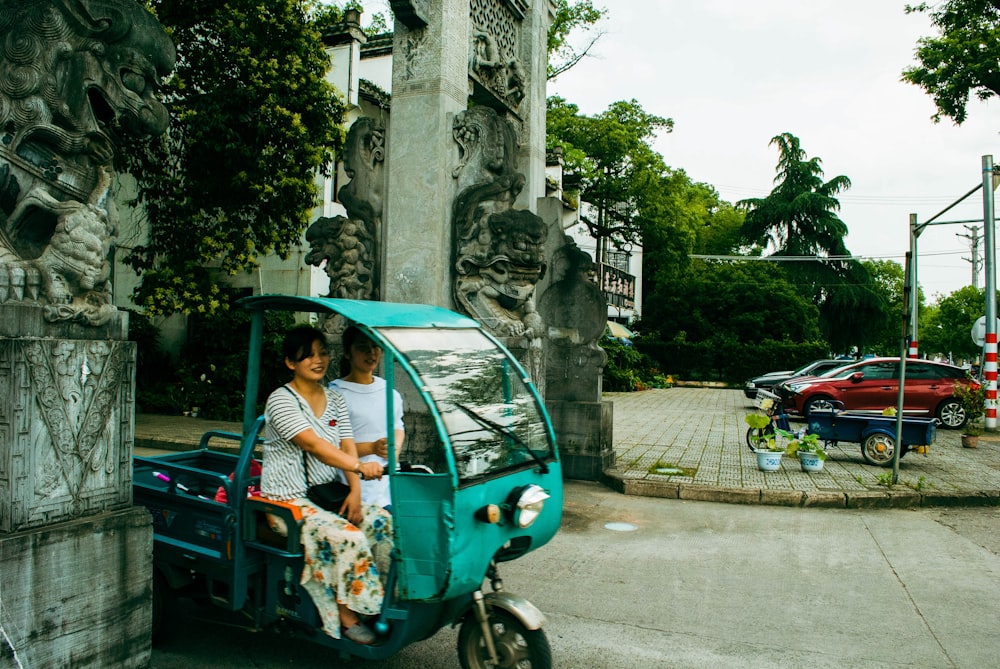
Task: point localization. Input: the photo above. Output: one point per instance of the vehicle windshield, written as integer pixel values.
(491, 417)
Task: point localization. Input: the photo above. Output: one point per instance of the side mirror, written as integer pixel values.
(857, 376)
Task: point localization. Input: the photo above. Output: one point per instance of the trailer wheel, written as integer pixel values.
(877, 449)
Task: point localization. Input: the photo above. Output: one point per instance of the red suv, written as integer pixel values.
(869, 386)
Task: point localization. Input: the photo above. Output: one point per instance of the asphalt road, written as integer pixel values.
(698, 584)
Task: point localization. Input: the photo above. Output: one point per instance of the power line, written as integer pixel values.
(890, 256)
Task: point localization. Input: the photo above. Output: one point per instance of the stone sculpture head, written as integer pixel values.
(76, 76)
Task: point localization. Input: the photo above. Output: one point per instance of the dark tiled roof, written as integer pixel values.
(372, 92)
(377, 45)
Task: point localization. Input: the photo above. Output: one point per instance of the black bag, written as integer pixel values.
(330, 495)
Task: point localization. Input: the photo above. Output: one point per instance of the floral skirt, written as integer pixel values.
(342, 561)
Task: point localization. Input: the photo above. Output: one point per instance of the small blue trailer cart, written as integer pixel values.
(875, 433)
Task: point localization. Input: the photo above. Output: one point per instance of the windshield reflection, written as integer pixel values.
(490, 415)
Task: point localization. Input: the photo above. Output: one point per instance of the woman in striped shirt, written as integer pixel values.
(308, 425)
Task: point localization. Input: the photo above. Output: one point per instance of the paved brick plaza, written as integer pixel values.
(701, 431)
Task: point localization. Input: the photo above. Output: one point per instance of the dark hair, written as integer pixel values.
(299, 342)
(351, 335)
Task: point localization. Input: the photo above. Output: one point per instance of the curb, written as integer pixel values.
(861, 499)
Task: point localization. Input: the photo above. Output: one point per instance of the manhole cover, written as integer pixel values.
(620, 527)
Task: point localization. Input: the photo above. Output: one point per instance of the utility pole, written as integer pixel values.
(990, 350)
(977, 263)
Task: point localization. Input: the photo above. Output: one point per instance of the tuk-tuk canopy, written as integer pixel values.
(372, 314)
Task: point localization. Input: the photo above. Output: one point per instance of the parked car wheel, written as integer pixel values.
(818, 403)
(877, 449)
(951, 414)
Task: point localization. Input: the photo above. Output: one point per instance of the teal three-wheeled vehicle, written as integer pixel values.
(478, 483)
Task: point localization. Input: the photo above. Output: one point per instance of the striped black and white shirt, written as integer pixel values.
(287, 414)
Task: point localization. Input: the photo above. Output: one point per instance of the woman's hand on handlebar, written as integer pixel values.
(370, 470)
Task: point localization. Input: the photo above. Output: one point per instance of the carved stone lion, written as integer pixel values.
(498, 271)
(75, 76)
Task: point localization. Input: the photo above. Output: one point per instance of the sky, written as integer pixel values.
(732, 75)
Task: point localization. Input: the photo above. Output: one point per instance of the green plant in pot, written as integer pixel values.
(803, 443)
(806, 449)
(972, 397)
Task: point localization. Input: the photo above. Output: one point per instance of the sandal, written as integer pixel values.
(359, 634)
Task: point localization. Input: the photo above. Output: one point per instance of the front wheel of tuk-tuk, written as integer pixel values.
(517, 646)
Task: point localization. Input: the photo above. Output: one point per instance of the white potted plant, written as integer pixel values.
(763, 442)
(806, 448)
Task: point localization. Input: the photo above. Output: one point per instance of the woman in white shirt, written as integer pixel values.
(365, 396)
(308, 425)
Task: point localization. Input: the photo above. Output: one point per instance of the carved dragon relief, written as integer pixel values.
(76, 385)
(75, 75)
(349, 248)
(499, 251)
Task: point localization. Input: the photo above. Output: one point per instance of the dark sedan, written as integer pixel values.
(771, 379)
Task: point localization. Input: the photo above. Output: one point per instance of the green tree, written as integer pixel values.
(799, 220)
(963, 59)
(252, 120)
(799, 216)
(886, 279)
(620, 172)
(945, 327)
(580, 17)
(742, 301)
(689, 218)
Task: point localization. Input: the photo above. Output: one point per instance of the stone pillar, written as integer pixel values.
(575, 314)
(76, 556)
(534, 56)
(429, 87)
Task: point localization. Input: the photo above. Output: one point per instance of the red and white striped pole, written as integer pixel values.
(990, 349)
(912, 353)
(990, 377)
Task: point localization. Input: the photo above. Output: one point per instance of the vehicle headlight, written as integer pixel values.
(526, 504)
(751, 384)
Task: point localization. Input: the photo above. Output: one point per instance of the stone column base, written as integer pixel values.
(78, 594)
(584, 432)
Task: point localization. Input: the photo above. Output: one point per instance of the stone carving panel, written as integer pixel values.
(69, 435)
(494, 48)
(75, 75)
(415, 62)
(349, 248)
